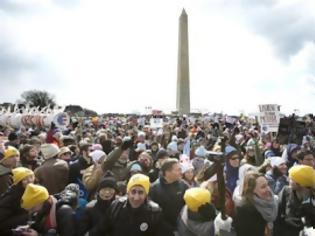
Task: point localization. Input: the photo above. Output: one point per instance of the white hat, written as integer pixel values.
(276, 161)
(97, 155)
(141, 147)
(172, 146)
(186, 166)
(49, 150)
(174, 138)
(141, 133)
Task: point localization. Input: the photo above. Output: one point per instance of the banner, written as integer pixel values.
(269, 117)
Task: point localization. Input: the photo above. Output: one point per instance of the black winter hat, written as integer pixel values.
(108, 181)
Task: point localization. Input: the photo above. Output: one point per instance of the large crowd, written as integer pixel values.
(122, 176)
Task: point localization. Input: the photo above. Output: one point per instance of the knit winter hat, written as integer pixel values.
(10, 152)
(108, 181)
(34, 195)
(141, 180)
(196, 197)
(20, 173)
(97, 155)
(276, 161)
(186, 166)
(49, 150)
(303, 175)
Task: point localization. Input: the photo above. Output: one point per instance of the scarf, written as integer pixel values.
(267, 208)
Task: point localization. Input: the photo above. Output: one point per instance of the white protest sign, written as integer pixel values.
(156, 123)
(269, 117)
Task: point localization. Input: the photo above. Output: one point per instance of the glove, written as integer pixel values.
(220, 224)
(126, 143)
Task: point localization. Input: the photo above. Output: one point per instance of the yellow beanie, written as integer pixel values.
(303, 175)
(10, 152)
(34, 195)
(20, 173)
(139, 179)
(196, 197)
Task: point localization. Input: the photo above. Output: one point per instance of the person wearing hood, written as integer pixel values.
(296, 202)
(198, 160)
(154, 147)
(8, 161)
(232, 164)
(53, 173)
(11, 213)
(277, 177)
(95, 210)
(237, 194)
(197, 216)
(290, 154)
(258, 209)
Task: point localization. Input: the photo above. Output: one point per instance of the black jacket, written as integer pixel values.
(170, 199)
(291, 211)
(92, 215)
(11, 213)
(248, 221)
(122, 219)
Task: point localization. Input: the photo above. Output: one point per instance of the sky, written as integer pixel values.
(121, 56)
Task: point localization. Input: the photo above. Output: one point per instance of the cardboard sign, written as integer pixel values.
(269, 118)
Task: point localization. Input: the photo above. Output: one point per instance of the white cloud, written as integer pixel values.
(122, 55)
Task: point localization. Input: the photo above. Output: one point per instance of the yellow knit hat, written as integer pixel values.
(34, 195)
(303, 175)
(196, 197)
(139, 179)
(20, 173)
(10, 152)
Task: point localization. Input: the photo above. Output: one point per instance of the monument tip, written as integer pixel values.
(184, 12)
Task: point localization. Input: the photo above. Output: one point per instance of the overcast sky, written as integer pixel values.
(121, 56)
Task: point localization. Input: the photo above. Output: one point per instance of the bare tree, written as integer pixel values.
(38, 98)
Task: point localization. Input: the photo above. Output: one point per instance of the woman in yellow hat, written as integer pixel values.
(11, 214)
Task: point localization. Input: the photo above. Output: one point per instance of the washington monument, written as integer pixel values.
(183, 94)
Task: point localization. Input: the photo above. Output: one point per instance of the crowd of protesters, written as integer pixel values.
(122, 176)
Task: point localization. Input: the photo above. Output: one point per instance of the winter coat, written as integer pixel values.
(189, 227)
(290, 214)
(11, 213)
(62, 213)
(5, 178)
(276, 183)
(248, 221)
(170, 198)
(92, 215)
(122, 219)
(113, 164)
(53, 174)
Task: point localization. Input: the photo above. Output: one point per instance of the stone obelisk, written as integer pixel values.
(183, 94)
